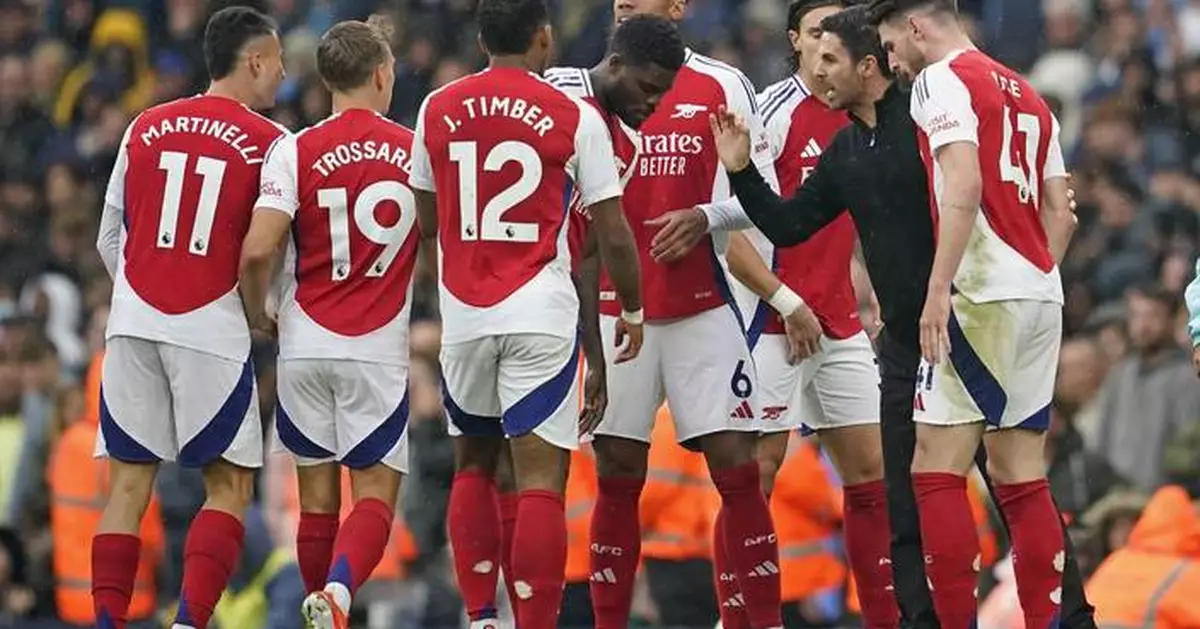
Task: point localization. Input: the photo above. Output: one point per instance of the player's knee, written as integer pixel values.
(320, 488)
(130, 487)
(729, 449)
(378, 482)
(229, 487)
(617, 457)
(948, 449)
(478, 454)
(1015, 456)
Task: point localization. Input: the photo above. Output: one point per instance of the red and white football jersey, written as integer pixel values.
(178, 206)
(969, 97)
(678, 168)
(348, 274)
(577, 82)
(799, 126)
(505, 151)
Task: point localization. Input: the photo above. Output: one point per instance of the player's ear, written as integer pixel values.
(794, 38)
(677, 9)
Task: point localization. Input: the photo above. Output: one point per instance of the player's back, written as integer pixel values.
(577, 82)
(975, 98)
(800, 128)
(506, 149)
(187, 191)
(354, 245)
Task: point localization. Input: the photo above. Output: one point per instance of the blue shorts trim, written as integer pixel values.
(215, 438)
(543, 402)
(376, 445)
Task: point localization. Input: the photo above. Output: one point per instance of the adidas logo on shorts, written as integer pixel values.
(743, 411)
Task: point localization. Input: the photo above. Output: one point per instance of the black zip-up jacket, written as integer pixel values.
(877, 174)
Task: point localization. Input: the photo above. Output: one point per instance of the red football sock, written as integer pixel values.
(210, 556)
(473, 524)
(868, 547)
(616, 547)
(314, 547)
(729, 595)
(750, 542)
(1038, 555)
(539, 558)
(509, 501)
(951, 546)
(114, 571)
(360, 543)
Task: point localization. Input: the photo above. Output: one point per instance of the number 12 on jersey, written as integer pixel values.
(493, 227)
(1024, 176)
(337, 202)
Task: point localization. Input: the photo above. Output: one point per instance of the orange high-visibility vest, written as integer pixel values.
(78, 486)
(807, 515)
(679, 503)
(580, 500)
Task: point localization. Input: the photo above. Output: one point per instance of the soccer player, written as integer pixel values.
(178, 383)
(709, 385)
(495, 159)
(992, 322)
(644, 55)
(340, 189)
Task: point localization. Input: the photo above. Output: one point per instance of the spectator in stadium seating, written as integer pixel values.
(118, 56)
(1151, 395)
(1081, 371)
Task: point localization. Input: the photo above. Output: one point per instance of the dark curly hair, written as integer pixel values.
(508, 27)
(648, 39)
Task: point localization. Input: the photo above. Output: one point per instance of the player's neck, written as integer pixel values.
(229, 88)
(342, 102)
(806, 77)
(948, 42)
(516, 62)
(600, 86)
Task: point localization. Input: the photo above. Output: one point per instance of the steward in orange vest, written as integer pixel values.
(1153, 582)
(78, 490)
(678, 510)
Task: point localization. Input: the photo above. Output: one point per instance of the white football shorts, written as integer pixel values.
(701, 365)
(513, 385)
(350, 411)
(163, 402)
(1003, 362)
(834, 388)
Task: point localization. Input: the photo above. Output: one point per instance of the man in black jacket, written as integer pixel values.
(872, 169)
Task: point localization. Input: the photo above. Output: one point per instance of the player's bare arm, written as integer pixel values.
(618, 252)
(427, 225)
(1058, 215)
(595, 386)
(803, 328)
(268, 230)
(962, 190)
(785, 222)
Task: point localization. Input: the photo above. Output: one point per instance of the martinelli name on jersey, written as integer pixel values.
(222, 130)
(356, 152)
(479, 107)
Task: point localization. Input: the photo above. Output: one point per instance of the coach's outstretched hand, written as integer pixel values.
(732, 137)
(631, 332)
(678, 232)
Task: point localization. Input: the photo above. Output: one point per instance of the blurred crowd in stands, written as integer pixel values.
(1124, 457)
